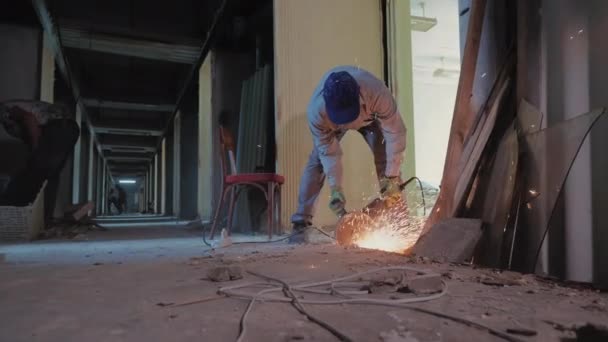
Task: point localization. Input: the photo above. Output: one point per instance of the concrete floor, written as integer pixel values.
(109, 287)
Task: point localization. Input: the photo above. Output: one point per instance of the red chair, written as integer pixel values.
(233, 182)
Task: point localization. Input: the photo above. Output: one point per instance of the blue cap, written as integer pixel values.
(341, 95)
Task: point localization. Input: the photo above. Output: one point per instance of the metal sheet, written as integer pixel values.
(547, 157)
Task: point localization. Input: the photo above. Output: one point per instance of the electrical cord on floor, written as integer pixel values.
(346, 298)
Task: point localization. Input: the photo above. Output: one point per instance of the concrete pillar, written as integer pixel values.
(104, 187)
(170, 178)
(163, 180)
(91, 156)
(176, 151)
(77, 159)
(188, 208)
(47, 71)
(158, 183)
(205, 141)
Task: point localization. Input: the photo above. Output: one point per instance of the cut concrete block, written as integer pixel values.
(224, 273)
(425, 285)
(451, 240)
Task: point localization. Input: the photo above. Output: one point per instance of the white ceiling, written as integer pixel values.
(439, 47)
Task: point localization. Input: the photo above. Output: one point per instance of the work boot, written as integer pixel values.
(298, 233)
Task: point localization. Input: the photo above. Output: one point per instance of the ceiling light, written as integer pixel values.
(422, 23)
(127, 181)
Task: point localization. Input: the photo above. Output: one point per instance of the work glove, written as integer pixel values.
(337, 202)
(390, 190)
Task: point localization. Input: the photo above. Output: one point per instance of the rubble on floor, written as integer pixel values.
(173, 299)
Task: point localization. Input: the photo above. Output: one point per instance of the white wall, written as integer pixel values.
(436, 63)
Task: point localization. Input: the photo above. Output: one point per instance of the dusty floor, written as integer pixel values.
(111, 287)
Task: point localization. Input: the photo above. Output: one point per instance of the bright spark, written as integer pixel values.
(392, 231)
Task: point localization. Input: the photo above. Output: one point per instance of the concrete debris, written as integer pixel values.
(223, 273)
(80, 211)
(451, 240)
(425, 285)
(595, 305)
(503, 279)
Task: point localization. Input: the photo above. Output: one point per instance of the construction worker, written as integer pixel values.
(51, 133)
(349, 98)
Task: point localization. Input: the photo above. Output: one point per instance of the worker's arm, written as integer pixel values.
(29, 123)
(328, 147)
(392, 127)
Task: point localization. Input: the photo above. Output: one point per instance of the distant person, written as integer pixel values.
(113, 200)
(51, 132)
(122, 199)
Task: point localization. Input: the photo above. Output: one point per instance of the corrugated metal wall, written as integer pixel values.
(311, 37)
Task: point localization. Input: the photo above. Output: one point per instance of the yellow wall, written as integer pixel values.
(205, 143)
(311, 37)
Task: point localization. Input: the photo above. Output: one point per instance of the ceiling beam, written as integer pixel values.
(97, 103)
(129, 149)
(129, 159)
(87, 40)
(128, 131)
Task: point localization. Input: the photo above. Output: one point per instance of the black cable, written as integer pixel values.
(298, 306)
(411, 179)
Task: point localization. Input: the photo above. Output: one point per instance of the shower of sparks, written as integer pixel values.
(393, 230)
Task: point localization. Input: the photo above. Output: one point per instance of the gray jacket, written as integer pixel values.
(377, 103)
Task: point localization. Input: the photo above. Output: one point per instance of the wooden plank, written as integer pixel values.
(463, 118)
(471, 162)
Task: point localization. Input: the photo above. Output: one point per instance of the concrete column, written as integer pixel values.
(189, 164)
(205, 141)
(104, 187)
(76, 161)
(170, 179)
(176, 151)
(91, 155)
(163, 180)
(157, 182)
